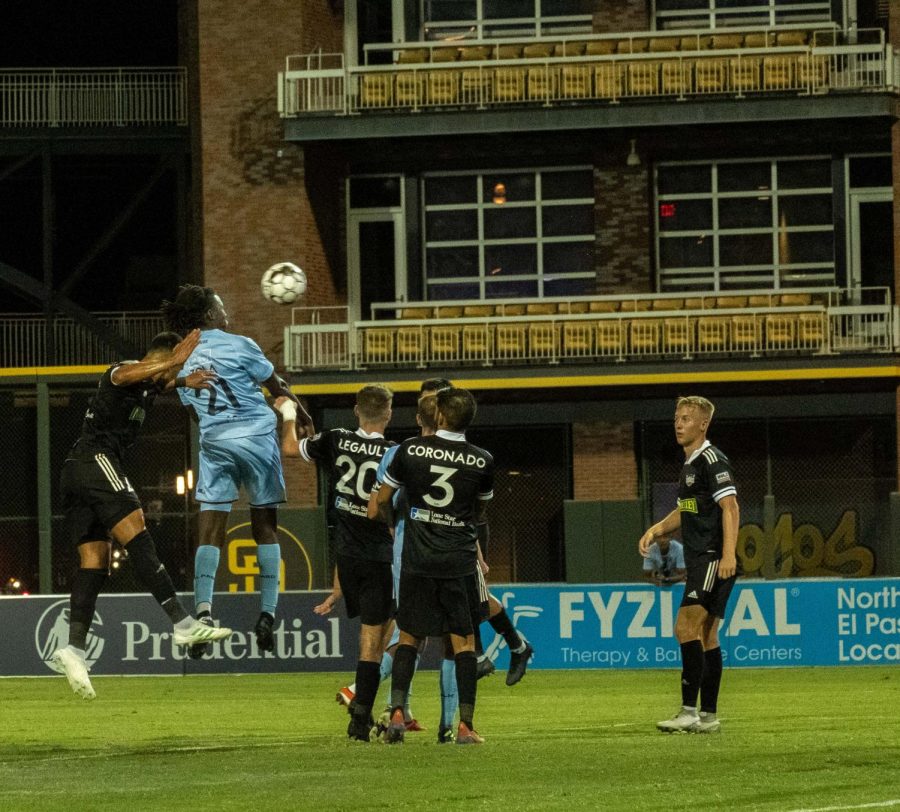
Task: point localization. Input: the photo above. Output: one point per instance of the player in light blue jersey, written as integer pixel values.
(238, 448)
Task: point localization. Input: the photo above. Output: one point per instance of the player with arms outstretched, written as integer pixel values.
(238, 448)
(100, 505)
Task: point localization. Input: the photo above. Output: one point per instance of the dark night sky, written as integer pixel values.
(89, 33)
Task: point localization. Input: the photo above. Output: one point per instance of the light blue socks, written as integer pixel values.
(269, 558)
(449, 693)
(206, 562)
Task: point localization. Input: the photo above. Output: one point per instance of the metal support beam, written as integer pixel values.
(15, 167)
(121, 220)
(45, 297)
(44, 485)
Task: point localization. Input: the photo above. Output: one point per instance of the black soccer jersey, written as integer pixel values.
(350, 460)
(443, 477)
(706, 478)
(114, 415)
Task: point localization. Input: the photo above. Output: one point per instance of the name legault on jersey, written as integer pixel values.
(350, 444)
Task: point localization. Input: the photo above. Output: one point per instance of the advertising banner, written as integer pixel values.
(769, 623)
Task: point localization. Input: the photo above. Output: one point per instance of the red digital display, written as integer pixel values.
(666, 209)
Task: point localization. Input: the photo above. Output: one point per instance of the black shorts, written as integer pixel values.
(703, 586)
(435, 606)
(368, 588)
(96, 496)
(481, 606)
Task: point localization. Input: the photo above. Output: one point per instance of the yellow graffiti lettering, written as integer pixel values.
(245, 566)
(804, 551)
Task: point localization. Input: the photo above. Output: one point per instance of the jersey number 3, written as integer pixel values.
(442, 483)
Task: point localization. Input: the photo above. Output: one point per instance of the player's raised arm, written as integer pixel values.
(290, 444)
(156, 362)
(279, 388)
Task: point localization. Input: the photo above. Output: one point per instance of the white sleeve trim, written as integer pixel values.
(391, 482)
(303, 452)
(484, 497)
(729, 491)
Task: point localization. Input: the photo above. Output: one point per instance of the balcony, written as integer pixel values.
(554, 83)
(729, 325)
(100, 97)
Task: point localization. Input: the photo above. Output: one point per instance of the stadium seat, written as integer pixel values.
(411, 343)
(575, 80)
(744, 73)
(731, 301)
(676, 77)
(416, 313)
(710, 75)
(643, 78)
(603, 306)
(444, 342)
(781, 331)
(667, 304)
(578, 338)
(812, 72)
(712, 333)
(443, 83)
(643, 337)
(746, 333)
(378, 345)
(811, 331)
(475, 82)
(678, 336)
(795, 299)
(778, 72)
(543, 81)
(611, 335)
(477, 338)
(509, 341)
(376, 90)
(509, 82)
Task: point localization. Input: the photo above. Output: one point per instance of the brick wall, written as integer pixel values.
(621, 15)
(604, 465)
(622, 247)
(254, 206)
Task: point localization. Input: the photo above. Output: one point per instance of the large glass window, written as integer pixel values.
(720, 13)
(509, 234)
(486, 19)
(745, 224)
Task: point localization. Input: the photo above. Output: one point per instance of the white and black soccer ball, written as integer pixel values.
(283, 283)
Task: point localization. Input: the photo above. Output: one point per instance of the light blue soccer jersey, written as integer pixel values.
(235, 406)
(398, 527)
(673, 560)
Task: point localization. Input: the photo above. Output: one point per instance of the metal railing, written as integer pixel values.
(62, 97)
(25, 340)
(797, 322)
(306, 86)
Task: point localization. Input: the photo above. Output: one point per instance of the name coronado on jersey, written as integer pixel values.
(687, 505)
(359, 447)
(446, 455)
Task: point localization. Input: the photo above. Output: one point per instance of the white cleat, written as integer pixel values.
(708, 723)
(69, 663)
(684, 721)
(200, 633)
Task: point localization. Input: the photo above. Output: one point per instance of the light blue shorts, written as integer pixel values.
(227, 465)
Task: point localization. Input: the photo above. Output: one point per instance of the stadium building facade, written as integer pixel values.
(579, 210)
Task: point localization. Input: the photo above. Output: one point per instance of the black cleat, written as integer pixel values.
(196, 651)
(518, 663)
(445, 735)
(360, 727)
(484, 668)
(265, 640)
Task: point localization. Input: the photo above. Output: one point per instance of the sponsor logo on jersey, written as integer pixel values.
(52, 632)
(723, 477)
(420, 514)
(688, 505)
(692, 594)
(689, 480)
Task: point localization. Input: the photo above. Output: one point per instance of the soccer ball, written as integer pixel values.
(283, 283)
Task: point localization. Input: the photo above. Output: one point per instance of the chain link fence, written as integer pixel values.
(814, 493)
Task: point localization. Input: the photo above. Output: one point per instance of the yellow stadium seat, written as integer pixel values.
(678, 336)
(643, 78)
(778, 72)
(476, 83)
(611, 337)
(444, 342)
(578, 338)
(710, 75)
(812, 72)
(378, 345)
(644, 336)
(443, 83)
(543, 340)
(746, 333)
(509, 341)
(712, 333)
(376, 90)
(744, 73)
(811, 331)
(781, 331)
(676, 77)
(411, 343)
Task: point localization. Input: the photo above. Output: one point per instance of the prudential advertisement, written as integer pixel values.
(769, 623)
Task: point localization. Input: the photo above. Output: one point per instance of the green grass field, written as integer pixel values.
(824, 738)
